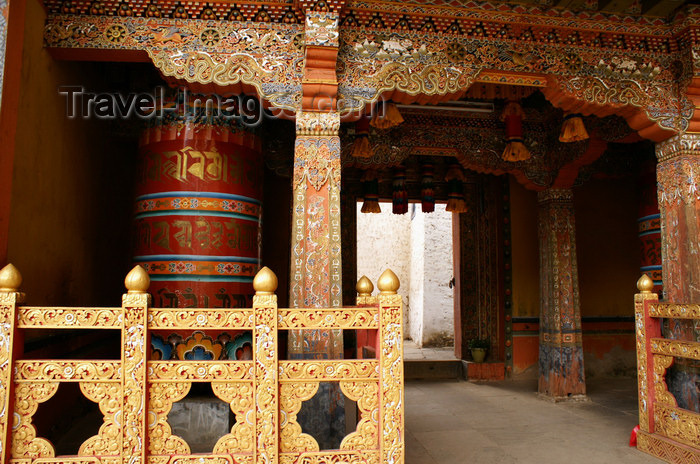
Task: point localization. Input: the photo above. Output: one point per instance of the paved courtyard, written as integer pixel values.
(449, 422)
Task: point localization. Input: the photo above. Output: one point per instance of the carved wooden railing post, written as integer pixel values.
(391, 400)
(647, 328)
(135, 344)
(364, 290)
(266, 357)
(10, 280)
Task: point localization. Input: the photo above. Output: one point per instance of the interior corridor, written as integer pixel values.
(459, 422)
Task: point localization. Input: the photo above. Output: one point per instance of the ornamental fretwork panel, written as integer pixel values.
(136, 393)
(666, 430)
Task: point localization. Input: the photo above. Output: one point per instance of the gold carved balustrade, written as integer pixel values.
(135, 394)
(665, 430)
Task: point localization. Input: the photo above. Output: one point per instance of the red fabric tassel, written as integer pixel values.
(633, 436)
(400, 194)
(515, 148)
(427, 189)
(370, 191)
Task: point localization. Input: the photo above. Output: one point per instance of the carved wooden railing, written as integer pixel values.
(135, 394)
(665, 430)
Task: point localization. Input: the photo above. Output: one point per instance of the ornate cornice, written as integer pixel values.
(602, 61)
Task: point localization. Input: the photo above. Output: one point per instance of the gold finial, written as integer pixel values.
(388, 282)
(364, 286)
(137, 280)
(265, 282)
(10, 279)
(645, 284)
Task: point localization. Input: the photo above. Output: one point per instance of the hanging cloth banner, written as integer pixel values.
(400, 194)
(370, 192)
(386, 116)
(361, 148)
(455, 186)
(427, 189)
(573, 129)
(513, 116)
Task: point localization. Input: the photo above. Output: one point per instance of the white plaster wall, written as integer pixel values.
(438, 297)
(417, 292)
(417, 246)
(384, 242)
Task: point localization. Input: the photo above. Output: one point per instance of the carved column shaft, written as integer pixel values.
(561, 373)
(678, 176)
(315, 277)
(678, 179)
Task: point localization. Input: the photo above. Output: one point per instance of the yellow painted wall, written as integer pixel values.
(525, 253)
(606, 241)
(607, 246)
(71, 195)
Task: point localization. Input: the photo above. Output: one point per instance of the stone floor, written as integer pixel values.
(505, 422)
(411, 352)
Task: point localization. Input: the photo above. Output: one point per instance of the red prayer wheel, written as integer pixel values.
(650, 227)
(198, 212)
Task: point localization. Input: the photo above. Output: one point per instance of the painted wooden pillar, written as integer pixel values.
(316, 261)
(315, 277)
(561, 375)
(678, 183)
(678, 177)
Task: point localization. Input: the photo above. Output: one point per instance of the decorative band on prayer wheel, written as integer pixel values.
(198, 212)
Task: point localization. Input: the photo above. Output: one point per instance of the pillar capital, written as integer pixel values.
(317, 123)
(678, 146)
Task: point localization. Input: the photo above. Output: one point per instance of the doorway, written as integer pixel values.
(418, 247)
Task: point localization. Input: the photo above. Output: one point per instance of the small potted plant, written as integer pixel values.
(479, 347)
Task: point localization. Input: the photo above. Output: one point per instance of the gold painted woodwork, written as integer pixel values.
(680, 349)
(665, 449)
(108, 396)
(364, 287)
(641, 301)
(677, 311)
(666, 431)
(645, 284)
(67, 371)
(678, 424)
(137, 280)
(324, 371)
(61, 318)
(135, 394)
(388, 282)
(265, 282)
(201, 318)
(325, 318)
(10, 278)
(291, 437)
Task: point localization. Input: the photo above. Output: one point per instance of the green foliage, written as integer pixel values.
(479, 343)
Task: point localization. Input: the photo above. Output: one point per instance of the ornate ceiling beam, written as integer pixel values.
(599, 64)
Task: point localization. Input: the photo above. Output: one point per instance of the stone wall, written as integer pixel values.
(384, 242)
(438, 298)
(418, 248)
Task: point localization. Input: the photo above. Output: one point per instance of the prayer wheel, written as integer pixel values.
(650, 227)
(198, 211)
